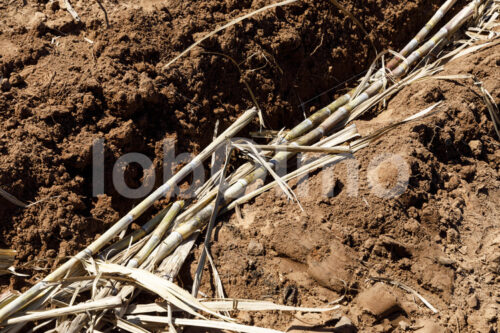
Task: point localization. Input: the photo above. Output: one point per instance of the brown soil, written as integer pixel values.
(441, 237)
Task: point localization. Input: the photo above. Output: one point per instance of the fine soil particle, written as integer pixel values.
(65, 85)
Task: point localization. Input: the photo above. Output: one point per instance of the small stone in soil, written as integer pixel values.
(445, 261)
(428, 326)
(378, 300)
(246, 318)
(476, 147)
(411, 226)
(472, 301)
(344, 325)
(255, 248)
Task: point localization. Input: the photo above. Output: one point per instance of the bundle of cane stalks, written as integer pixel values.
(96, 289)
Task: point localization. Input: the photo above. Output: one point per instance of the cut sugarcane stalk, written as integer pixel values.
(137, 211)
(200, 219)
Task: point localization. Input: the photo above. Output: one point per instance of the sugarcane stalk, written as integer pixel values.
(152, 243)
(114, 249)
(447, 30)
(157, 235)
(36, 304)
(200, 219)
(105, 303)
(79, 321)
(420, 36)
(315, 119)
(123, 223)
(205, 200)
(134, 236)
(310, 137)
(399, 71)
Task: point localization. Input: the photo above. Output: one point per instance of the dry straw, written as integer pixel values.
(407, 289)
(105, 303)
(230, 304)
(6, 195)
(139, 257)
(225, 26)
(492, 108)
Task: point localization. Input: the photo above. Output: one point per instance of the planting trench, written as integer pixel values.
(65, 92)
(72, 92)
